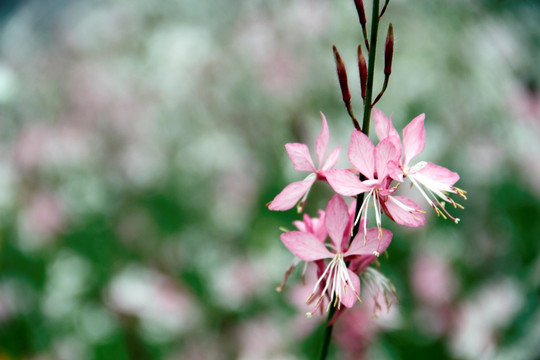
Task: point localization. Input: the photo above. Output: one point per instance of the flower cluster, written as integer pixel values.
(376, 173)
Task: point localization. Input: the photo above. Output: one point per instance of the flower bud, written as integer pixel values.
(362, 69)
(342, 76)
(360, 10)
(389, 50)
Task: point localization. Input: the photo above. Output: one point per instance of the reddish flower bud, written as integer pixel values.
(342, 76)
(389, 50)
(360, 10)
(362, 69)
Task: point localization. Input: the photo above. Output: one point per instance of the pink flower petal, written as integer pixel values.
(300, 157)
(305, 246)
(337, 218)
(383, 125)
(290, 196)
(400, 214)
(361, 153)
(332, 160)
(349, 295)
(385, 152)
(315, 226)
(395, 171)
(414, 139)
(439, 174)
(359, 263)
(321, 144)
(301, 225)
(373, 243)
(344, 182)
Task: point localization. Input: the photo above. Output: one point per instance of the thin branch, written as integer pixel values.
(384, 8)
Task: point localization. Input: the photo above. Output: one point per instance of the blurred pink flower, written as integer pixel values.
(56, 145)
(434, 284)
(29, 148)
(302, 161)
(355, 332)
(260, 338)
(42, 219)
(239, 281)
(432, 279)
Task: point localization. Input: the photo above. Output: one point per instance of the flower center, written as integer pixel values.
(336, 282)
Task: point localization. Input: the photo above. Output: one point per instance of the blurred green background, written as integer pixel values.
(140, 141)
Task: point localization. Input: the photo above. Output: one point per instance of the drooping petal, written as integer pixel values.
(321, 144)
(305, 246)
(404, 211)
(332, 159)
(349, 295)
(383, 125)
(300, 157)
(414, 139)
(337, 217)
(439, 174)
(386, 152)
(345, 183)
(373, 244)
(361, 153)
(290, 196)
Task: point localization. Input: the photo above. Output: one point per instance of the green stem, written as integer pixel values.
(327, 333)
(365, 130)
(371, 66)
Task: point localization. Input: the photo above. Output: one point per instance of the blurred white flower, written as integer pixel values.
(164, 309)
(482, 316)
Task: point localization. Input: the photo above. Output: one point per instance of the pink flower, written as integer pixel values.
(379, 165)
(314, 226)
(434, 182)
(337, 281)
(299, 153)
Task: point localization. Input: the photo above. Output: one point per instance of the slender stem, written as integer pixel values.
(327, 333)
(384, 8)
(365, 130)
(371, 66)
(385, 85)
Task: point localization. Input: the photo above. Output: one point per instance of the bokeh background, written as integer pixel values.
(140, 141)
